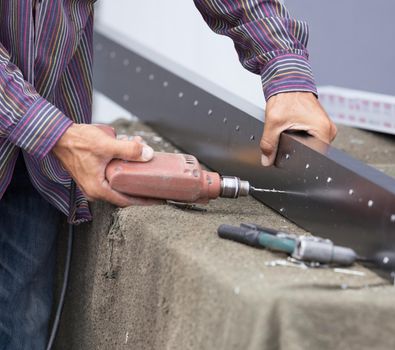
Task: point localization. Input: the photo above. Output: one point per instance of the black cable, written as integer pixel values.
(55, 325)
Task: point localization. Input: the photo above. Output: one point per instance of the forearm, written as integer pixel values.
(267, 40)
(26, 119)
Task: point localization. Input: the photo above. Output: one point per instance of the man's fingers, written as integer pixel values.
(293, 111)
(333, 132)
(107, 194)
(130, 138)
(146, 201)
(325, 131)
(122, 200)
(269, 143)
(131, 150)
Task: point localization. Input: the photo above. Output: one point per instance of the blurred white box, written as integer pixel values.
(358, 108)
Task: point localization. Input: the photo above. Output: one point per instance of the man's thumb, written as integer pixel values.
(132, 150)
(269, 144)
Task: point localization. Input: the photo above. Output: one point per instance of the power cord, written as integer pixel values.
(66, 273)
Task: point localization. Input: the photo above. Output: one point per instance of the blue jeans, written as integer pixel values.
(28, 230)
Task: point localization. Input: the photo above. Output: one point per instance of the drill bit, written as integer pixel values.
(252, 188)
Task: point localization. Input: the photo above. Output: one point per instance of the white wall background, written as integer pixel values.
(351, 43)
(175, 29)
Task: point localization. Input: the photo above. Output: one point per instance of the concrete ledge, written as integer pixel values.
(160, 278)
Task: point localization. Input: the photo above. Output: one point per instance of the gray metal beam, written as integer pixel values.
(330, 193)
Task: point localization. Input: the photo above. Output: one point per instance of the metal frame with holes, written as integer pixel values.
(328, 192)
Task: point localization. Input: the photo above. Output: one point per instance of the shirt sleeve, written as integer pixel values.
(26, 119)
(267, 40)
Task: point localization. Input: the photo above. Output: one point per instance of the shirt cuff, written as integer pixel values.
(287, 73)
(40, 128)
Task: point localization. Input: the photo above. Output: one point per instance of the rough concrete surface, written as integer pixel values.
(158, 277)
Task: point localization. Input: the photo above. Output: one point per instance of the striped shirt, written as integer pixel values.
(46, 76)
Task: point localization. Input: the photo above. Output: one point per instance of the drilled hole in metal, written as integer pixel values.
(329, 179)
(113, 54)
(392, 218)
(252, 138)
(151, 77)
(180, 95)
(307, 166)
(195, 103)
(237, 127)
(126, 62)
(210, 112)
(370, 203)
(225, 120)
(350, 191)
(287, 156)
(165, 84)
(126, 97)
(138, 69)
(99, 47)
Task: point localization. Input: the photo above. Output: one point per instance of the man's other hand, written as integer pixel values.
(293, 111)
(85, 150)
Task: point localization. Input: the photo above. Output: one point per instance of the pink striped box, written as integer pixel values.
(360, 109)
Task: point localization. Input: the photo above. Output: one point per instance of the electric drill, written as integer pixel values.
(173, 176)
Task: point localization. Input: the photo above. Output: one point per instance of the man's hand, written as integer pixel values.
(293, 111)
(85, 150)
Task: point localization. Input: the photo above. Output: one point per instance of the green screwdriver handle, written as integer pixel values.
(273, 242)
(260, 237)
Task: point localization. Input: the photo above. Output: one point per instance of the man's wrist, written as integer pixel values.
(40, 128)
(71, 140)
(287, 94)
(65, 139)
(288, 72)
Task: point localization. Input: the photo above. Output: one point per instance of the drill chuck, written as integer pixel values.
(233, 187)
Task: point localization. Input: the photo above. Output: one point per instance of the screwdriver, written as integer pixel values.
(305, 248)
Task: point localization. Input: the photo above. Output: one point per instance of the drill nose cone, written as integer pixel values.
(233, 187)
(244, 188)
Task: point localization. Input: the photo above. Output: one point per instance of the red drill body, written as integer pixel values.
(172, 176)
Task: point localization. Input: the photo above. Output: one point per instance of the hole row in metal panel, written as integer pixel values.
(351, 191)
(126, 62)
